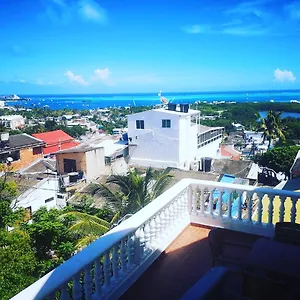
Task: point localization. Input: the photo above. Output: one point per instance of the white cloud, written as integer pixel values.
(196, 29)
(63, 12)
(22, 81)
(91, 10)
(103, 76)
(75, 78)
(284, 75)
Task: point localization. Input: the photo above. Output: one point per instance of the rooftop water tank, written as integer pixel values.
(172, 106)
(184, 107)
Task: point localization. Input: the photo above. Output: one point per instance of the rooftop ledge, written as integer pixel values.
(110, 265)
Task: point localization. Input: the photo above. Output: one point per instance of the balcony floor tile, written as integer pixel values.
(181, 265)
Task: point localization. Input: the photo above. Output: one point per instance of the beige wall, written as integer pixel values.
(92, 162)
(79, 157)
(27, 156)
(95, 163)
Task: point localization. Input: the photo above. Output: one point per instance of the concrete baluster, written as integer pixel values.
(88, 283)
(107, 271)
(271, 210)
(281, 209)
(76, 291)
(64, 292)
(98, 278)
(220, 202)
(293, 209)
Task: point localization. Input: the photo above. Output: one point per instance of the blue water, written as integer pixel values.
(283, 115)
(225, 197)
(92, 101)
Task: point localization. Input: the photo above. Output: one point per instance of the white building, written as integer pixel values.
(170, 138)
(13, 122)
(45, 193)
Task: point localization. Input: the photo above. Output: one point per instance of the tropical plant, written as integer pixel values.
(86, 227)
(126, 194)
(271, 127)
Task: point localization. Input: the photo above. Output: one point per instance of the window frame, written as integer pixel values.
(139, 124)
(166, 123)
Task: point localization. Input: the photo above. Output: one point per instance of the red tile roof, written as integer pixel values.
(63, 146)
(56, 140)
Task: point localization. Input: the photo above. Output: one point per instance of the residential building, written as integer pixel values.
(45, 192)
(20, 150)
(89, 161)
(170, 138)
(12, 122)
(55, 140)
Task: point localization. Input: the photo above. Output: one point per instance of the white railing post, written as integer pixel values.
(281, 208)
(240, 208)
(88, 283)
(98, 278)
(293, 209)
(259, 207)
(76, 291)
(270, 210)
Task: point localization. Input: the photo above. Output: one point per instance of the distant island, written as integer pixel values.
(13, 98)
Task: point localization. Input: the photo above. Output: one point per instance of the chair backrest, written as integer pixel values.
(287, 232)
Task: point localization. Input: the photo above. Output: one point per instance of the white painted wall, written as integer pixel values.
(210, 150)
(36, 196)
(160, 147)
(95, 164)
(118, 166)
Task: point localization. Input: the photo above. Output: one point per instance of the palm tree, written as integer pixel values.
(126, 194)
(87, 227)
(271, 127)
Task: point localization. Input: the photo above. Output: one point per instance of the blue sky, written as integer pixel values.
(113, 46)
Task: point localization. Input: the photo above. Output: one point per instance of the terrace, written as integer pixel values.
(163, 250)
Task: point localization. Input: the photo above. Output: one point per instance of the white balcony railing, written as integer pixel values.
(106, 268)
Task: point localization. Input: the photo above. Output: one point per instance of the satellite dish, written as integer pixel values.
(47, 165)
(164, 100)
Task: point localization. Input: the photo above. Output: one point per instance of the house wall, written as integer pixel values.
(210, 150)
(118, 166)
(154, 146)
(80, 161)
(36, 196)
(95, 163)
(188, 141)
(27, 156)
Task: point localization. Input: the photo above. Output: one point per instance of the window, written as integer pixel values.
(166, 123)
(28, 213)
(140, 124)
(69, 165)
(49, 199)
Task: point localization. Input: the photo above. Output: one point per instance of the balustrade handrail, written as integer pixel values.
(65, 272)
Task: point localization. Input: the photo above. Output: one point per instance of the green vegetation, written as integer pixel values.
(279, 159)
(32, 249)
(271, 127)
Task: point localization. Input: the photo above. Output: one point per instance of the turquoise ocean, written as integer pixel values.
(93, 101)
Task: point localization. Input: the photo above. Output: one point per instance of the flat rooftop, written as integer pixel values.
(191, 112)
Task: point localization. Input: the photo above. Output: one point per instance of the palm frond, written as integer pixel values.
(85, 227)
(85, 217)
(85, 241)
